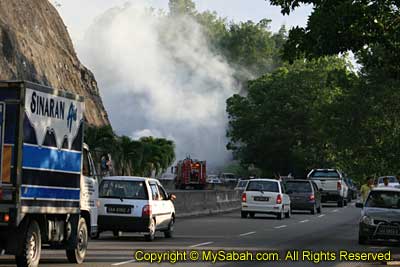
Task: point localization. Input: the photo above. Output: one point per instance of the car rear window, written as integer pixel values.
(298, 187)
(268, 186)
(391, 179)
(324, 174)
(123, 189)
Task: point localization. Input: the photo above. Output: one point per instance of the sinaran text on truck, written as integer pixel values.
(48, 186)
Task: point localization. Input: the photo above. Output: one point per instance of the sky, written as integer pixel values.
(78, 15)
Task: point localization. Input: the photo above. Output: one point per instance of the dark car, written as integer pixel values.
(304, 195)
(380, 217)
(353, 191)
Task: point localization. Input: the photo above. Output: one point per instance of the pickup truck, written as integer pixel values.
(48, 184)
(332, 185)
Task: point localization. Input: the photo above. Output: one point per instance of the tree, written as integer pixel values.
(369, 28)
(281, 126)
(182, 7)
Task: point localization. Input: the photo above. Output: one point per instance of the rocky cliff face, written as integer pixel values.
(35, 46)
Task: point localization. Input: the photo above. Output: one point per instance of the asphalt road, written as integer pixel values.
(335, 229)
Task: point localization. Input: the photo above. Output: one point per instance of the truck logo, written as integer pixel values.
(72, 114)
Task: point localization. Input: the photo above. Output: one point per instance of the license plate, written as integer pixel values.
(385, 230)
(120, 210)
(261, 198)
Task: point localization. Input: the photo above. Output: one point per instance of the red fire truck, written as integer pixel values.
(191, 173)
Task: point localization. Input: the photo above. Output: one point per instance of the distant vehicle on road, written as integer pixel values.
(228, 178)
(135, 204)
(380, 215)
(393, 182)
(213, 179)
(241, 185)
(190, 173)
(265, 196)
(352, 191)
(332, 183)
(304, 195)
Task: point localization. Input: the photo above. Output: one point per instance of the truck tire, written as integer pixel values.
(78, 254)
(340, 202)
(32, 246)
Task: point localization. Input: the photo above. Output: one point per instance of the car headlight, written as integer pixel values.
(367, 220)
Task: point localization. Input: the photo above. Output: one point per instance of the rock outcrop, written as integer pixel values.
(35, 46)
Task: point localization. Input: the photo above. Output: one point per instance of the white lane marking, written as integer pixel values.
(320, 216)
(122, 263)
(249, 233)
(334, 210)
(201, 244)
(280, 226)
(304, 221)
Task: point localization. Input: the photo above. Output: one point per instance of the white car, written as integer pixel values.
(135, 204)
(213, 179)
(393, 182)
(332, 184)
(265, 196)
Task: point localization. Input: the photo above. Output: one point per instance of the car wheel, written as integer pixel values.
(340, 202)
(362, 240)
(78, 254)
(96, 236)
(319, 209)
(117, 233)
(32, 245)
(313, 209)
(281, 215)
(169, 233)
(152, 231)
(289, 213)
(243, 214)
(252, 214)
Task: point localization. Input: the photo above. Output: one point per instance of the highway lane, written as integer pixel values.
(335, 229)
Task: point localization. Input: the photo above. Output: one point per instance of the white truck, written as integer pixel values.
(48, 186)
(332, 185)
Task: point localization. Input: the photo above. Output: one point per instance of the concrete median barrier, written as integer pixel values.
(205, 202)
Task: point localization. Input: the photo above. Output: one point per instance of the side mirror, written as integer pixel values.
(172, 197)
(359, 205)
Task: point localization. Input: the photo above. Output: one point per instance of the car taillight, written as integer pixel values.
(339, 186)
(146, 211)
(244, 197)
(312, 197)
(279, 199)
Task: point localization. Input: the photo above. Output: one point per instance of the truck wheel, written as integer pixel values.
(243, 214)
(78, 254)
(152, 231)
(32, 246)
(340, 202)
(170, 232)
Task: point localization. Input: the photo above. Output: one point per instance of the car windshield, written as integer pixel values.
(391, 179)
(123, 189)
(383, 199)
(263, 186)
(324, 174)
(298, 187)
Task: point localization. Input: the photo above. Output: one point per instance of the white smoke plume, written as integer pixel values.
(159, 77)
